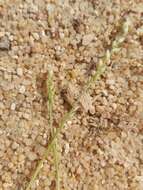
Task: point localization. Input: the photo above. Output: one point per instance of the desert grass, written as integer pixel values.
(50, 102)
(101, 67)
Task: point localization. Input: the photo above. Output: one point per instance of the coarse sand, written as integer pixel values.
(101, 147)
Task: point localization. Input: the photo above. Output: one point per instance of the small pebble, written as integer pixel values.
(2, 34)
(110, 81)
(19, 71)
(4, 43)
(22, 89)
(50, 8)
(32, 156)
(34, 8)
(2, 105)
(36, 36)
(13, 106)
(67, 148)
(15, 146)
(26, 116)
(87, 39)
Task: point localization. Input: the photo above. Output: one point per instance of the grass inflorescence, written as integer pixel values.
(101, 67)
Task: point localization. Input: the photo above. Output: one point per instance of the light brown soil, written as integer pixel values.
(101, 148)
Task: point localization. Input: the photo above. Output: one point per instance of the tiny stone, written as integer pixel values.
(50, 8)
(67, 147)
(103, 163)
(2, 105)
(34, 9)
(87, 39)
(79, 170)
(69, 122)
(13, 106)
(11, 38)
(32, 156)
(28, 142)
(4, 43)
(111, 82)
(2, 34)
(114, 106)
(36, 36)
(140, 31)
(105, 92)
(26, 116)
(61, 35)
(15, 146)
(19, 71)
(22, 89)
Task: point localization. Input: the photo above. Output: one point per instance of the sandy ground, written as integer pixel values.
(101, 148)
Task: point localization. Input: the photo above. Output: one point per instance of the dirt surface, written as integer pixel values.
(101, 148)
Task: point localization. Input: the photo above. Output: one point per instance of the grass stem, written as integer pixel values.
(100, 70)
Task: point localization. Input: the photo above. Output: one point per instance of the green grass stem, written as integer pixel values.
(100, 70)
